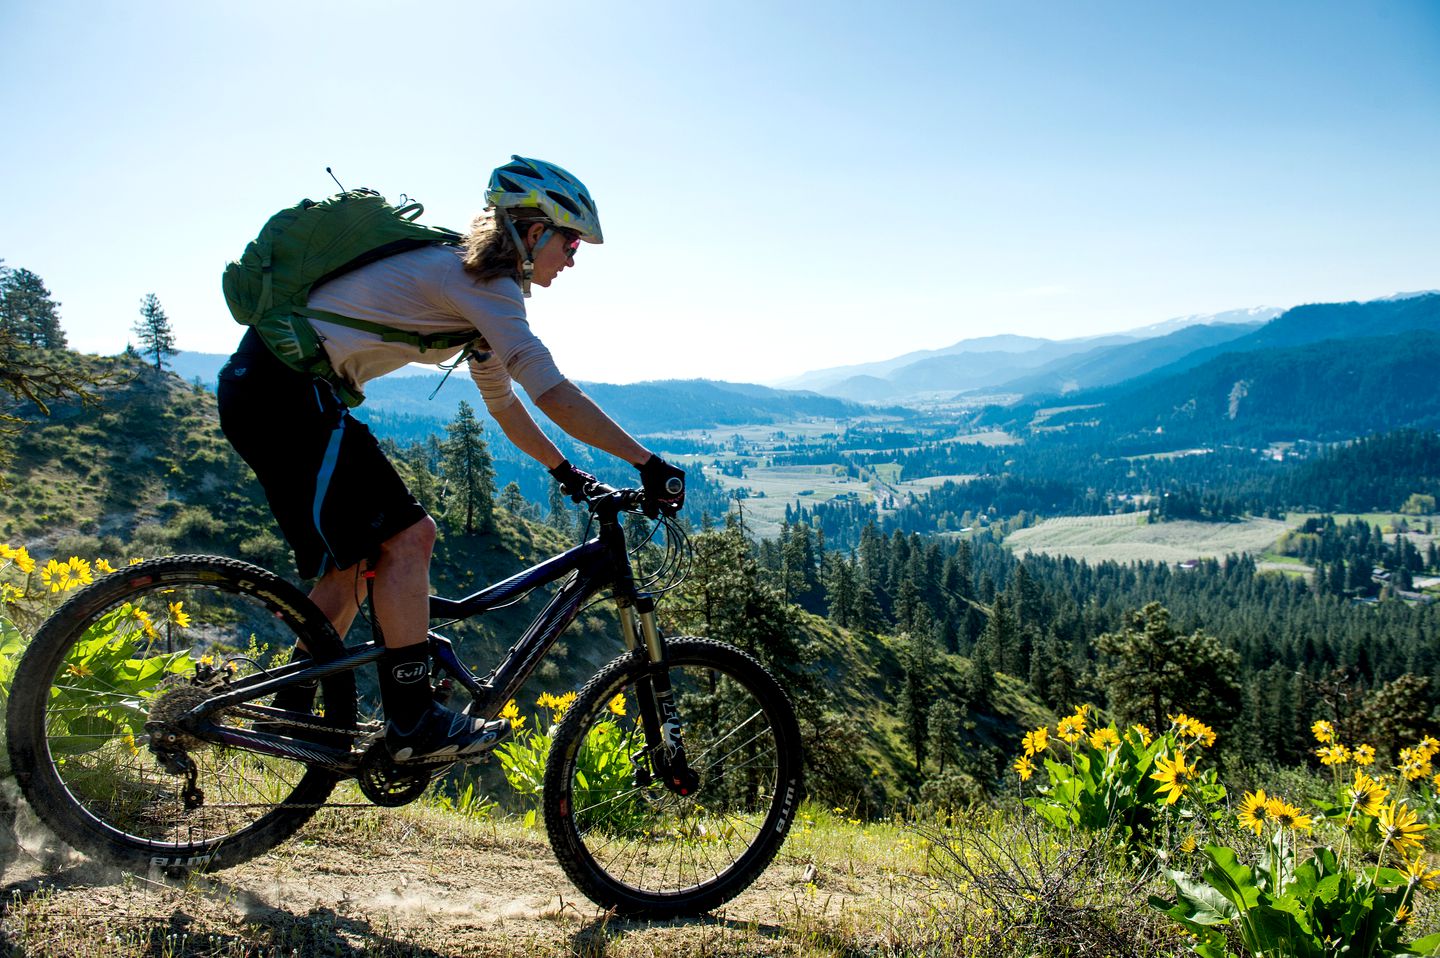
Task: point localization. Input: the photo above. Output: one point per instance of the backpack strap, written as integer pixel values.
(390, 334)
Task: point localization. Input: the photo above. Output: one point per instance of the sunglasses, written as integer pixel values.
(569, 239)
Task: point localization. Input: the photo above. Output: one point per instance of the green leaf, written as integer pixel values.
(1429, 945)
(1202, 903)
(1230, 878)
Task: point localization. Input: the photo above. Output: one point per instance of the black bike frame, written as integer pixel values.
(599, 563)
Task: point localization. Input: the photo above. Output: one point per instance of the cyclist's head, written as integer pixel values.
(522, 245)
(524, 191)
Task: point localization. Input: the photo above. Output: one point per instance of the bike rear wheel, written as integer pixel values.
(156, 639)
(631, 844)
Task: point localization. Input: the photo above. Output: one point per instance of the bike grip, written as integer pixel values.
(674, 485)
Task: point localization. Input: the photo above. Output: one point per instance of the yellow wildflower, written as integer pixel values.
(1429, 746)
(1145, 736)
(1366, 794)
(136, 561)
(179, 616)
(1363, 754)
(1174, 776)
(1336, 754)
(556, 703)
(206, 660)
(617, 704)
(19, 556)
(1254, 811)
(1037, 741)
(10, 593)
(1413, 764)
(104, 566)
(1401, 828)
(54, 575)
(1194, 728)
(1071, 728)
(1024, 768)
(1287, 816)
(1417, 873)
(1402, 915)
(1104, 739)
(511, 711)
(1323, 731)
(1188, 845)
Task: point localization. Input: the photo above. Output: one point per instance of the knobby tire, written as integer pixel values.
(642, 849)
(85, 767)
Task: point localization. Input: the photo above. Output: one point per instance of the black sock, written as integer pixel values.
(405, 684)
(301, 696)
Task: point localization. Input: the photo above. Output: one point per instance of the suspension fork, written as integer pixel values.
(660, 719)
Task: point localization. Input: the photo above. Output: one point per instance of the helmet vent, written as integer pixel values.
(564, 201)
(520, 170)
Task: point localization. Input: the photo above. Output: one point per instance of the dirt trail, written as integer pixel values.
(390, 884)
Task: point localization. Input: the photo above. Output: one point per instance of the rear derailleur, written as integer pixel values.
(170, 739)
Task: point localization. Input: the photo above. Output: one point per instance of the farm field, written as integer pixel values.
(1128, 538)
(788, 486)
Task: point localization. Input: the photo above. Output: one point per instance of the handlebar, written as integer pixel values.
(605, 498)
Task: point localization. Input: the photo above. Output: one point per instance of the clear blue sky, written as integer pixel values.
(783, 186)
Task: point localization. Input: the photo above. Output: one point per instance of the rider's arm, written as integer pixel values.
(520, 428)
(576, 413)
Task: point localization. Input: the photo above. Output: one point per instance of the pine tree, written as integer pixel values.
(469, 474)
(28, 314)
(943, 726)
(1151, 671)
(917, 658)
(559, 503)
(420, 477)
(153, 330)
(513, 501)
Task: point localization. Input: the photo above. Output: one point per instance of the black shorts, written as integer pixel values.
(333, 492)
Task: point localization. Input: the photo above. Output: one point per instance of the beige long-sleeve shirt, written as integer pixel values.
(428, 291)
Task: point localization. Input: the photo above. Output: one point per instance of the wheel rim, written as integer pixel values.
(129, 652)
(646, 839)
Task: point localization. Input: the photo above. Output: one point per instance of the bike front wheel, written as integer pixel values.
(630, 843)
(152, 641)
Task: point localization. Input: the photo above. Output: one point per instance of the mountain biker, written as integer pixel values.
(338, 500)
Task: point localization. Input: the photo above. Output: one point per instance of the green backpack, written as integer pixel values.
(299, 248)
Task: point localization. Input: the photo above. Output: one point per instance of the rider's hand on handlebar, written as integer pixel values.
(664, 486)
(572, 480)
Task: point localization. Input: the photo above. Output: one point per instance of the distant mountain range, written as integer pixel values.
(1015, 363)
(1325, 371)
(1135, 376)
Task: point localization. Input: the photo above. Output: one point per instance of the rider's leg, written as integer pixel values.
(416, 726)
(334, 594)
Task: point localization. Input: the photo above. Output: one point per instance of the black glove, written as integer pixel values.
(664, 486)
(572, 480)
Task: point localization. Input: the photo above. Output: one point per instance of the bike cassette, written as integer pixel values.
(390, 785)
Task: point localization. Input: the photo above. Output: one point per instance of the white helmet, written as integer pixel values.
(560, 197)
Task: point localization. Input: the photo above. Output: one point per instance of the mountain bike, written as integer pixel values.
(143, 730)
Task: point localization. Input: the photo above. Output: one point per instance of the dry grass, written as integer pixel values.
(420, 883)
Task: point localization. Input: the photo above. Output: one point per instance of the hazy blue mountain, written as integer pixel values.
(987, 362)
(202, 366)
(642, 408)
(1316, 323)
(1106, 365)
(1325, 371)
(881, 369)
